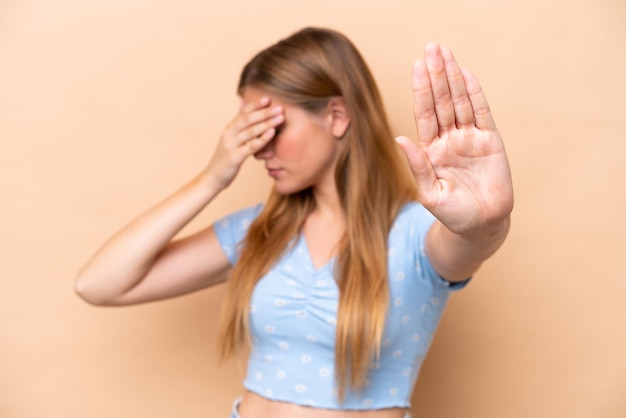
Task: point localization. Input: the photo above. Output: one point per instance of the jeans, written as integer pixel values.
(235, 412)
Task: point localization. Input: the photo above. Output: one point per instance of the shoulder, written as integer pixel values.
(240, 219)
(407, 244)
(409, 229)
(407, 237)
(413, 214)
(232, 229)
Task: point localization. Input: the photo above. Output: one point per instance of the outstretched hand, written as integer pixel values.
(459, 163)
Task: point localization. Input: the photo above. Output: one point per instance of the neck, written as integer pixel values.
(324, 227)
(327, 202)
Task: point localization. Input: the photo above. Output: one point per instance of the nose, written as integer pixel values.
(266, 152)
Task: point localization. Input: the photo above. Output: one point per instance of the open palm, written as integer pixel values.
(459, 163)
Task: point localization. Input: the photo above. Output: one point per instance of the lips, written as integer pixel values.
(273, 172)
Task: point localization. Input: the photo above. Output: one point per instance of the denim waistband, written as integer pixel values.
(235, 411)
(236, 402)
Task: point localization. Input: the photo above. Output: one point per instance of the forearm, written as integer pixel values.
(122, 262)
(456, 257)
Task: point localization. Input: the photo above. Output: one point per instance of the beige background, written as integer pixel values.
(108, 106)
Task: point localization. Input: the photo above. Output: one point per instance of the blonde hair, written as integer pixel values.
(307, 69)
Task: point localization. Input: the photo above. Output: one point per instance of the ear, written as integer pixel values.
(339, 117)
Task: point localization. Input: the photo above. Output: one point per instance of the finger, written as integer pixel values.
(248, 107)
(252, 123)
(425, 176)
(463, 112)
(423, 105)
(249, 112)
(257, 129)
(256, 144)
(245, 108)
(441, 91)
(482, 114)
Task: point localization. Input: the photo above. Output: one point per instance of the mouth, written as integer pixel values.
(273, 172)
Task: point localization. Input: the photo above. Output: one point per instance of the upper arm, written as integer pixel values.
(193, 263)
(439, 261)
(184, 266)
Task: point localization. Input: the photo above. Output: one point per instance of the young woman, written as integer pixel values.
(339, 280)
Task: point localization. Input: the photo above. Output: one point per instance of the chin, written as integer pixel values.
(288, 189)
(285, 191)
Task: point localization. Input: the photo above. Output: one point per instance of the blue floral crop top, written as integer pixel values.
(293, 315)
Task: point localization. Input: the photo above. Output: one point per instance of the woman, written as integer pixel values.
(339, 281)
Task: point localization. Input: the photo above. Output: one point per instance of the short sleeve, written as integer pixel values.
(232, 229)
(420, 221)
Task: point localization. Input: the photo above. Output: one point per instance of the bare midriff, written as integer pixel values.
(255, 406)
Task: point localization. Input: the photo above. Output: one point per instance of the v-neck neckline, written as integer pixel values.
(309, 257)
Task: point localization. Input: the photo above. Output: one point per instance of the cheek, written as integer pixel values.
(288, 147)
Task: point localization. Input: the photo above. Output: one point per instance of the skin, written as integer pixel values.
(305, 150)
(459, 163)
(304, 154)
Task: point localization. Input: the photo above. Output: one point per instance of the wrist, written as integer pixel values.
(210, 182)
(489, 232)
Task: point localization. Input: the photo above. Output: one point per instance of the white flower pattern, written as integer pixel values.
(293, 360)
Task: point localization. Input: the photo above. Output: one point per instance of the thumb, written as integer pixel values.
(421, 167)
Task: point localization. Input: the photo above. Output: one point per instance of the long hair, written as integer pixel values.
(307, 69)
